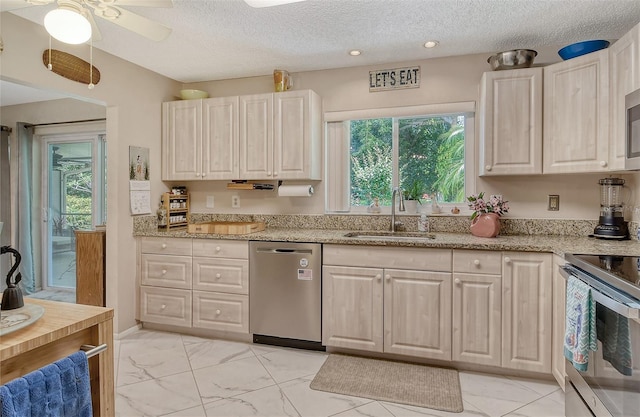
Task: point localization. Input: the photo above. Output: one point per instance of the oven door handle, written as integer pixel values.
(601, 295)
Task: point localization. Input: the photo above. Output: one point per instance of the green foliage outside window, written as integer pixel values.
(430, 156)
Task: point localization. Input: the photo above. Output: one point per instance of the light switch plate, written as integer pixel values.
(554, 202)
(210, 202)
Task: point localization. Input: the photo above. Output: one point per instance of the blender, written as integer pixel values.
(611, 224)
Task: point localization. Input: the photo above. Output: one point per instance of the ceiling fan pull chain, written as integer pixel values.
(91, 85)
(49, 66)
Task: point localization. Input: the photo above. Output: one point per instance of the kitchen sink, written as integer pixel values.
(410, 236)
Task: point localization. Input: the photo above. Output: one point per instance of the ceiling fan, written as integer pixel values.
(110, 10)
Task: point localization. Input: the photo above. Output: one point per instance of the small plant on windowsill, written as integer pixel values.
(414, 191)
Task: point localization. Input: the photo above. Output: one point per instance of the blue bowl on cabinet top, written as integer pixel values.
(582, 48)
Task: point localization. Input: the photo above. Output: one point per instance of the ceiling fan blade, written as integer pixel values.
(138, 24)
(269, 3)
(144, 3)
(95, 31)
(8, 5)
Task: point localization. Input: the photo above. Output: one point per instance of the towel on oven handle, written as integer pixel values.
(613, 332)
(580, 326)
(62, 388)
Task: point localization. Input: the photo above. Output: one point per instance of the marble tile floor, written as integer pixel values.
(167, 374)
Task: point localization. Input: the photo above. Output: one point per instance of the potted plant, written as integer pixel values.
(412, 195)
(485, 219)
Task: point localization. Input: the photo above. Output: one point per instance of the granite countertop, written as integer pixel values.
(529, 243)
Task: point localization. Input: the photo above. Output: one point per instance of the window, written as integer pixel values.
(424, 155)
(426, 152)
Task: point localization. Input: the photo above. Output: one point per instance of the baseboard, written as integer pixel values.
(129, 331)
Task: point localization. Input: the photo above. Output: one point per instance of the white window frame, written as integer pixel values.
(337, 169)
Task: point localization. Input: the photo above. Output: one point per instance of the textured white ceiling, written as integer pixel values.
(220, 39)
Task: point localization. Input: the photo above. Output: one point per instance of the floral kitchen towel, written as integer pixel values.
(580, 330)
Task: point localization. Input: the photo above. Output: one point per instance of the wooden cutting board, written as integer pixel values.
(226, 228)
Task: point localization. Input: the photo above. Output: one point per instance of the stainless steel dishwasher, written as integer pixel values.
(285, 285)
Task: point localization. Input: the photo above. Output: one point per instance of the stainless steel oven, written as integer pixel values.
(611, 384)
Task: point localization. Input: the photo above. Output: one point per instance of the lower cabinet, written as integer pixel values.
(389, 310)
(199, 283)
(483, 307)
(558, 313)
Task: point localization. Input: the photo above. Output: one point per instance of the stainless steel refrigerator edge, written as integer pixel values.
(285, 281)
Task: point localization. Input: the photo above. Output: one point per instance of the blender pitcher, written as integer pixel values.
(611, 223)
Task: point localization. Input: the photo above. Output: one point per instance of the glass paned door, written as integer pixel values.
(71, 204)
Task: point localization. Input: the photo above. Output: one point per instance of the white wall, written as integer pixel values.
(133, 97)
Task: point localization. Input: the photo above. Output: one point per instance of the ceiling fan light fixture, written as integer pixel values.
(68, 25)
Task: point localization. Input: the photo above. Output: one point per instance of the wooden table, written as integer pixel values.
(58, 333)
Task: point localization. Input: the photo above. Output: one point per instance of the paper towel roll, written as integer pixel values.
(295, 191)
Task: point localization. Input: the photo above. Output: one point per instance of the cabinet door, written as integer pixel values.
(296, 135)
(352, 308)
(166, 271)
(624, 64)
(526, 306)
(511, 122)
(220, 138)
(182, 140)
(558, 313)
(417, 313)
(256, 136)
(477, 311)
(576, 115)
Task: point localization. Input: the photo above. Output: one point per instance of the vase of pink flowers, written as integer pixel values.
(485, 220)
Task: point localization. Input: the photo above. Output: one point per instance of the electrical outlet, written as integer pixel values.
(235, 201)
(210, 202)
(554, 202)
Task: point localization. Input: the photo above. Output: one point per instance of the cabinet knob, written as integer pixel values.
(476, 262)
(218, 312)
(163, 306)
(218, 275)
(488, 167)
(268, 173)
(164, 246)
(603, 163)
(218, 248)
(387, 277)
(507, 259)
(378, 277)
(275, 173)
(204, 174)
(164, 272)
(197, 174)
(457, 281)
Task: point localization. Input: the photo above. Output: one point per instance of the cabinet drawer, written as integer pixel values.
(165, 306)
(221, 275)
(221, 248)
(427, 259)
(477, 262)
(166, 271)
(166, 246)
(217, 311)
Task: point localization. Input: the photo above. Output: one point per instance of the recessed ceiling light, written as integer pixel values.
(355, 52)
(431, 44)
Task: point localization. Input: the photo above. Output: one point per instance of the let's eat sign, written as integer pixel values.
(392, 79)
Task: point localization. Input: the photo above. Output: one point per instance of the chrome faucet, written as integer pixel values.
(396, 225)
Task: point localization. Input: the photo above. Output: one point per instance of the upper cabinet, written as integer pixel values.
(624, 72)
(182, 140)
(573, 112)
(200, 139)
(262, 136)
(576, 115)
(511, 122)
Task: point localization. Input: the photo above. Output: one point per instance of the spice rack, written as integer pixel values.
(176, 207)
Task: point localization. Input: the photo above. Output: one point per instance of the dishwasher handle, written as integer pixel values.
(286, 251)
